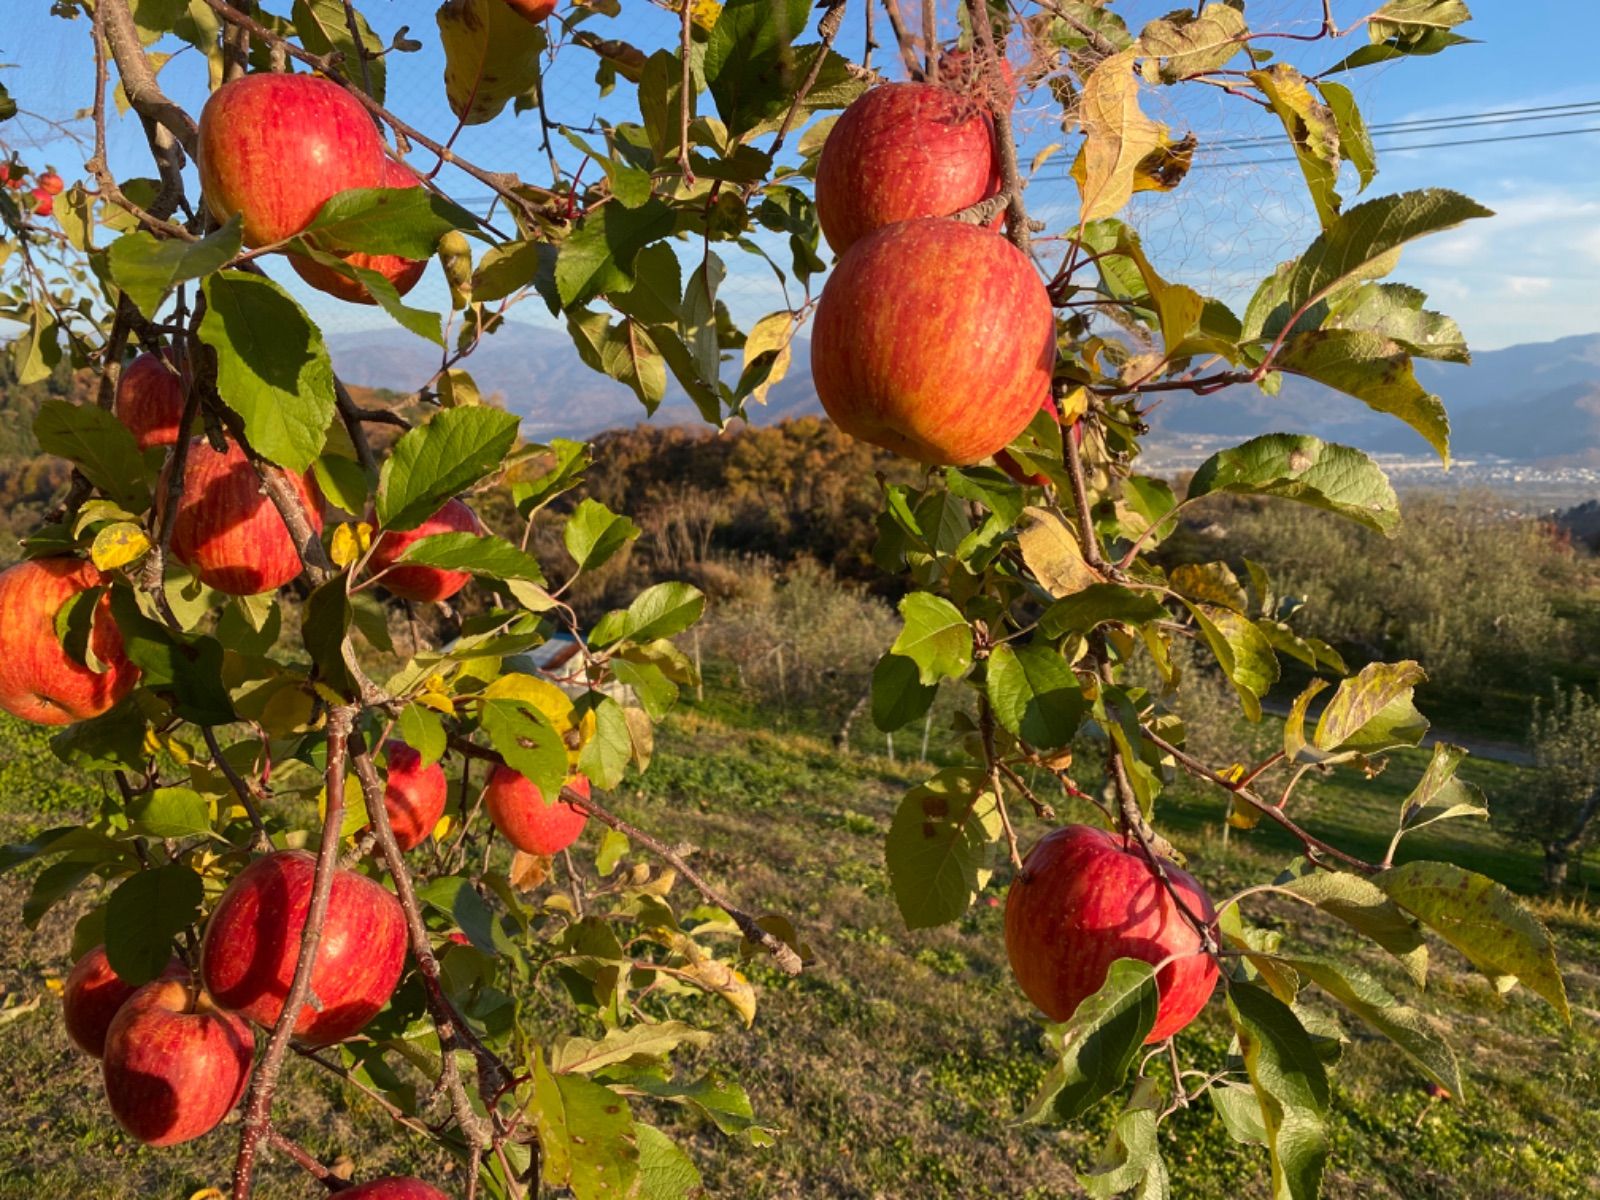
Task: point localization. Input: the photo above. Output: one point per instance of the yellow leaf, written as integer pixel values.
(528, 871)
(773, 333)
(346, 547)
(704, 13)
(1050, 548)
(438, 701)
(209, 1193)
(540, 694)
(1117, 137)
(443, 828)
(118, 545)
(55, 986)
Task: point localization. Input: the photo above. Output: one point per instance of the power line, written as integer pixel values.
(1464, 120)
(1510, 137)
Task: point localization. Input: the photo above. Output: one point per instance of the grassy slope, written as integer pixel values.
(898, 1062)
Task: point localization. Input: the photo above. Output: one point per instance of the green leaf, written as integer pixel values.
(1485, 922)
(939, 846)
(594, 533)
(343, 483)
(1395, 311)
(584, 1056)
(403, 221)
(144, 914)
(572, 459)
(432, 462)
(1304, 468)
(480, 553)
(1362, 905)
(147, 267)
(1096, 605)
(605, 756)
(323, 27)
(598, 256)
(936, 637)
(1375, 371)
(898, 694)
(420, 321)
(528, 741)
(1241, 650)
(750, 60)
(623, 350)
(187, 666)
(99, 444)
(1404, 1026)
(660, 611)
(323, 628)
(1240, 1111)
(1361, 244)
(1130, 1161)
(52, 885)
(1354, 141)
(1372, 711)
(1291, 1086)
(665, 1171)
(587, 1134)
(272, 367)
(1035, 694)
(491, 57)
(655, 692)
(458, 900)
(171, 812)
(1094, 1048)
(421, 729)
(1439, 795)
(111, 742)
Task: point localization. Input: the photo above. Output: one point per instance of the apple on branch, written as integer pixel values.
(274, 148)
(402, 272)
(1084, 899)
(94, 994)
(227, 531)
(394, 1187)
(39, 680)
(252, 942)
(414, 795)
(529, 822)
(934, 339)
(422, 582)
(150, 401)
(175, 1064)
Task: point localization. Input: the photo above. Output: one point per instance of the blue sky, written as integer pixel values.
(1529, 274)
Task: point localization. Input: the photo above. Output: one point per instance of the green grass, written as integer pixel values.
(898, 1063)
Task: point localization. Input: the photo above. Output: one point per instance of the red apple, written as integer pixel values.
(51, 183)
(252, 943)
(532, 10)
(39, 680)
(274, 148)
(402, 272)
(94, 993)
(518, 810)
(413, 796)
(394, 1187)
(902, 151)
(175, 1065)
(43, 202)
(150, 401)
(423, 583)
(227, 531)
(1086, 898)
(934, 339)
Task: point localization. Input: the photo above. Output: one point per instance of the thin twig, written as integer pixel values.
(685, 93)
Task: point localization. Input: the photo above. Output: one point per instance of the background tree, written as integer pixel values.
(1558, 811)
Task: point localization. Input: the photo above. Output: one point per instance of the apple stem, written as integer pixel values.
(258, 1107)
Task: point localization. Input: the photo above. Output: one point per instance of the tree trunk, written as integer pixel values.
(1555, 866)
(841, 740)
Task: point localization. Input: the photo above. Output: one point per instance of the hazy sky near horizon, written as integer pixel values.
(1528, 274)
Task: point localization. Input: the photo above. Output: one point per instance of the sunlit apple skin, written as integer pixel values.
(227, 531)
(174, 1064)
(150, 401)
(423, 583)
(402, 272)
(274, 148)
(414, 795)
(39, 681)
(903, 151)
(934, 339)
(519, 811)
(252, 942)
(94, 993)
(532, 10)
(1086, 898)
(394, 1187)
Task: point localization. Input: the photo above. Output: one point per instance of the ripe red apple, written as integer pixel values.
(532, 10)
(175, 1064)
(934, 339)
(150, 401)
(402, 272)
(227, 531)
(1086, 898)
(252, 942)
(902, 151)
(274, 148)
(413, 795)
(39, 680)
(394, 1187)
(93, 995)
(51, 183)
(423, 583)
(519, 811)
(43, 202)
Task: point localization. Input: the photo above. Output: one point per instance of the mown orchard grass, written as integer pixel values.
(898, 1063)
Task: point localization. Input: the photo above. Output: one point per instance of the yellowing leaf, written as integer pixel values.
(773, 333)
(443, 828)
(1117, 136)
(346, 547)
(438, 701)
(118, 545)
(1052, 553)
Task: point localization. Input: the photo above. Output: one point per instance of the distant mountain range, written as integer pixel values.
(1537, 402)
